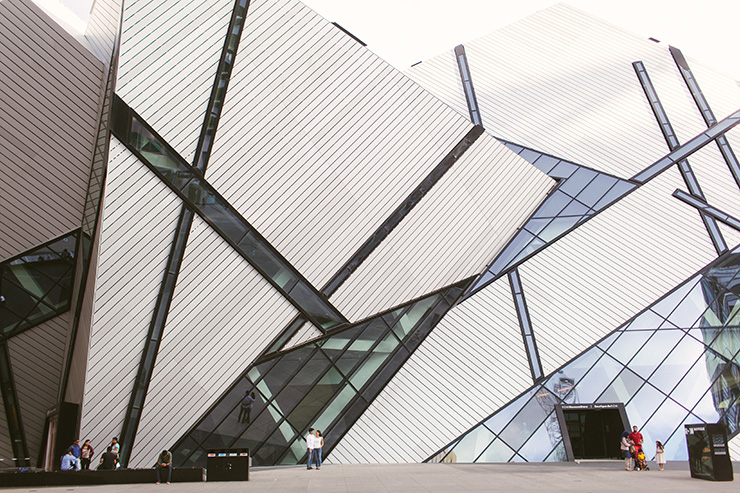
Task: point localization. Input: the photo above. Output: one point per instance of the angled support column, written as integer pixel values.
(683, 165)
(522, 312)
(182, 233)
(707, 209)
(12, 411)
(706, 112)
(467, 82)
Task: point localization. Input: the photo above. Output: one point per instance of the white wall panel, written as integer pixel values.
(320, 140)
(50, 89)
(562, 82)
(223, 314)
(37, 379)
(169, 55)
(471, 364)
(610, 268)
(102, 28)
(140, 215)
(453, 233)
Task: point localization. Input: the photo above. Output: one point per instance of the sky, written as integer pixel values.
(404, 32)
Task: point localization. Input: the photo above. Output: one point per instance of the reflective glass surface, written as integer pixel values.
(203, 199)
(37, 285)
(581, 193)
(326, 384)
(665, 376)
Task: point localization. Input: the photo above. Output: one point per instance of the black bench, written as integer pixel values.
(80, 478)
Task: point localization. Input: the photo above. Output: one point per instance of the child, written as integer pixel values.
(659, 454)
(640, 460)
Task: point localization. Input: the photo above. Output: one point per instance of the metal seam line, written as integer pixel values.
(525, 324)
(380, 234)
(182, 233)
(672, 140)
(102, 147)
(706, 111)
(232, 226)
(467, 83)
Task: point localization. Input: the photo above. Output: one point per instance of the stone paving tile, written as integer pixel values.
(419, 478)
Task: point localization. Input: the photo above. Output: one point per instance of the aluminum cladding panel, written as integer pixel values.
(472, 363)
(319, 140)
(562, 82)
(49, 117)
(169, 54)
(102, 28)
(222, 316)
(37, 379)
(597, 277)
(452, 234)
(139, 221)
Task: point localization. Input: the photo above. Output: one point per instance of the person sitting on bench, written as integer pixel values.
(108, 460)
(164, 460)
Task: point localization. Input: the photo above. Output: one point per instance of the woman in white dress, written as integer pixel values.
(659, 454)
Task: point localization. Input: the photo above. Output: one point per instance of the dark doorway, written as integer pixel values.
(593, 431)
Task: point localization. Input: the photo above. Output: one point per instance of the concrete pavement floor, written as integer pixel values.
(411, 478)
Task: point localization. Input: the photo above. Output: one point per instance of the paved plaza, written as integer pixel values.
(411, 478)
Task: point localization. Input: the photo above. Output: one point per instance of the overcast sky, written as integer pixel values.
(404, 32)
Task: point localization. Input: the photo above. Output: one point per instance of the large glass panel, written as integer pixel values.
(628, 344)
(541, 443)
(471, 445)
(526, 422)
(498, 451)
(500, 419)
(558, 454)
(669, 303)
(665, 420)
(335, 408)
(622, 388)
(301, 383)
(655, 351)
(563, 383)
(646, 320)
(593, 384)
(409, 320)
(642, 406)
(315, 399)
(678, 362)
(37, 285)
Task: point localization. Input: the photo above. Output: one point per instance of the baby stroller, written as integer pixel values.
(638, 456)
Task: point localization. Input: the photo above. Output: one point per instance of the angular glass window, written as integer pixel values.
(37, 285)
(581, 193)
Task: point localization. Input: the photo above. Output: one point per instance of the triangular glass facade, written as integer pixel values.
(326, 384)
(37, 285)
(677, 362)
(581, 193)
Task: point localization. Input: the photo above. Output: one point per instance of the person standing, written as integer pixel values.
(108, 460)
(624, 445)
(74, 449)
(659, 454)
(636, 438)
(318, 443)
(86, 453)
(246, 408)
(310, 444)
(116, 449)
(164, 460)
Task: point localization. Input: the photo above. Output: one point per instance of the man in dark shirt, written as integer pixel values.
(108, 460)
(164, 461)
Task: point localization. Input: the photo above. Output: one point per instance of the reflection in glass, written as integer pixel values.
(326, 383)
(203, 199)
(37, 285)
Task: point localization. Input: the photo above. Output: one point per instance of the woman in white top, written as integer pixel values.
(624, 445)
(318, 443)
(659, 454)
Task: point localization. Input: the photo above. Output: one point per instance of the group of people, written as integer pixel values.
(78, 458)
(633, 453)
(315, 443)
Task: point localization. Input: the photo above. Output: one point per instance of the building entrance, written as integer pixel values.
(592, 431)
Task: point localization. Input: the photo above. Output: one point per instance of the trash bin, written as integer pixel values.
(709, 455)
(227, 464)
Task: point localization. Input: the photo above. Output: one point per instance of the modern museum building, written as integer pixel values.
(513, 251)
